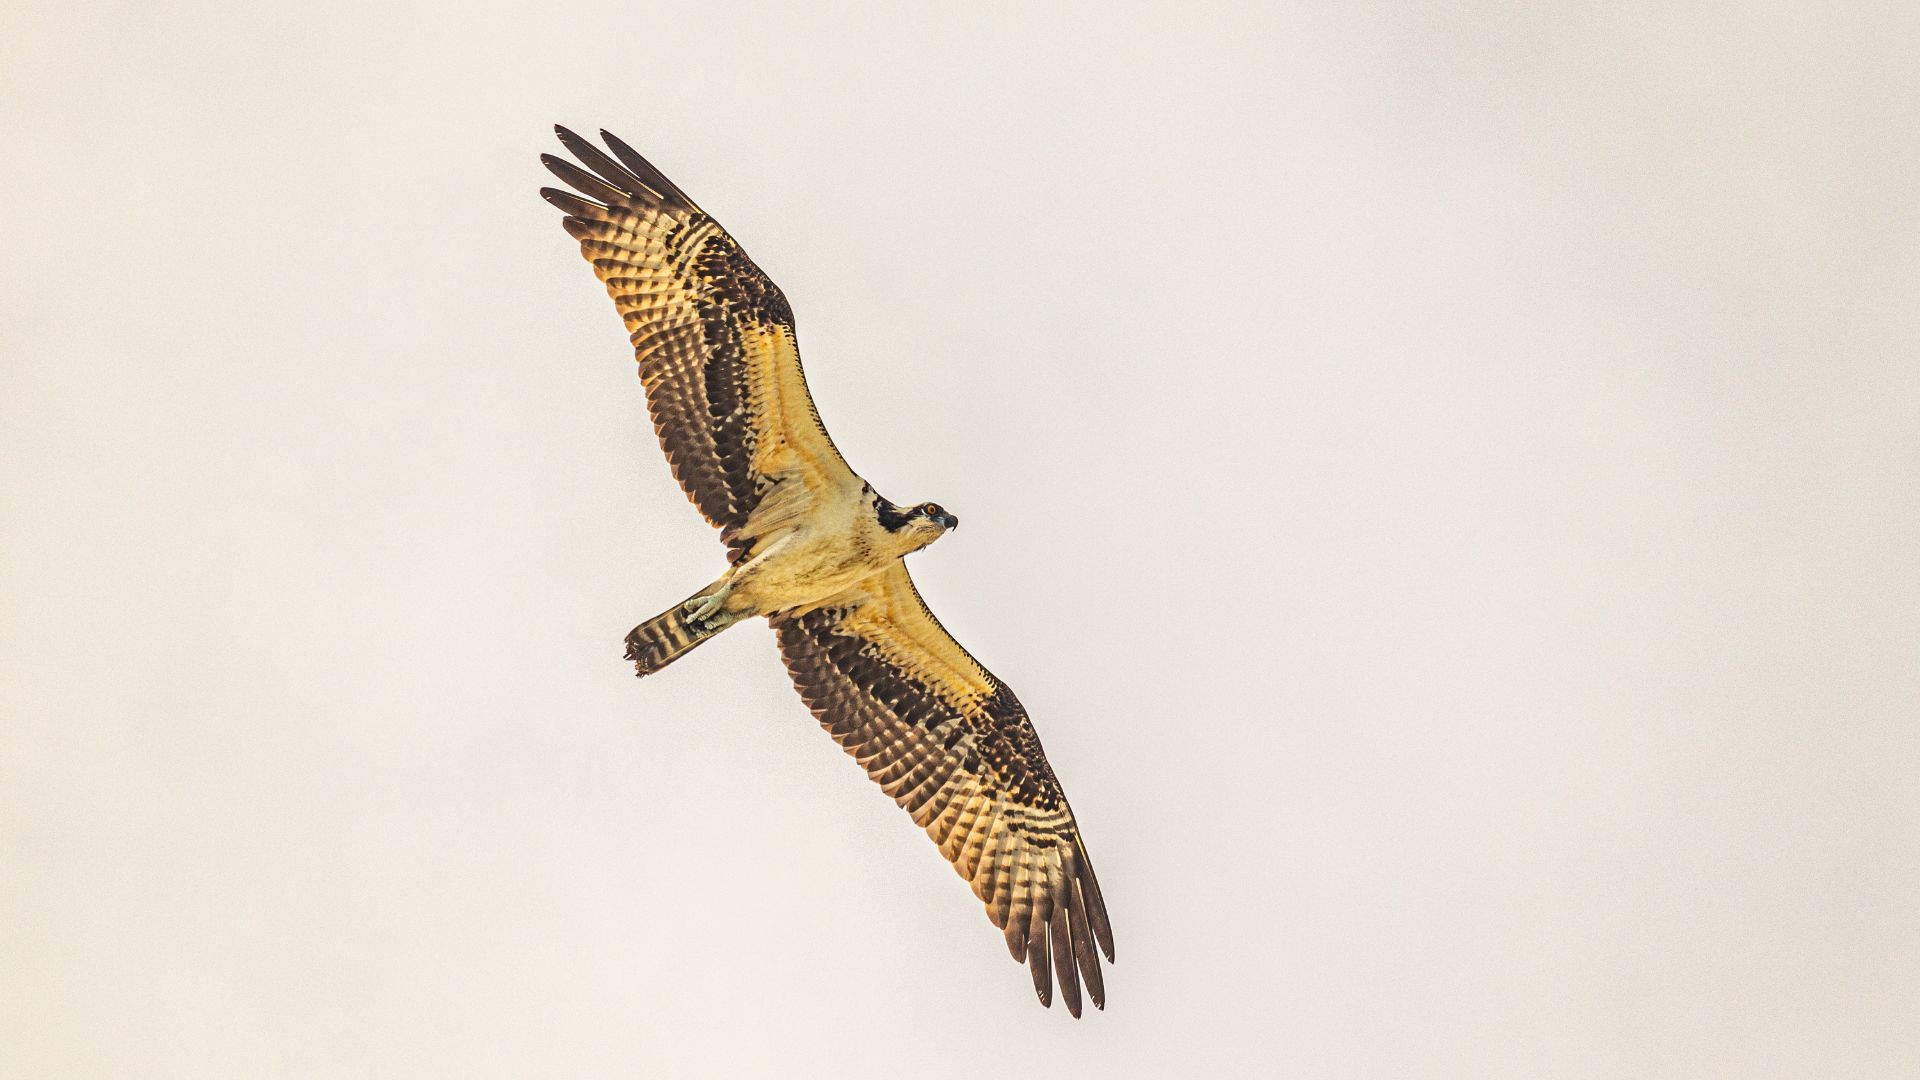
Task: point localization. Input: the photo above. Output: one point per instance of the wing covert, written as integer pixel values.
(954, 748)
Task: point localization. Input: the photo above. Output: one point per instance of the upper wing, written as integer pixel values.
(714, 337)
(952, 745)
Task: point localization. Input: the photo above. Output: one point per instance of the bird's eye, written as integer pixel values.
(932, 509)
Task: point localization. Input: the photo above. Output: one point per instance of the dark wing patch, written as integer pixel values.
(954, 748)
(707, 326)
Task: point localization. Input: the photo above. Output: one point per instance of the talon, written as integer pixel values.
(702, 608)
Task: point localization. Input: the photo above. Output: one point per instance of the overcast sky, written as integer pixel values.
(1444, 479)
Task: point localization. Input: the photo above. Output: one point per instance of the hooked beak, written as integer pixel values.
(949, 521)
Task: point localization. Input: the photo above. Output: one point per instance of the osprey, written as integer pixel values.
(818, 552)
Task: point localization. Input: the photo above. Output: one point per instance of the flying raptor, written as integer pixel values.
(819, 552)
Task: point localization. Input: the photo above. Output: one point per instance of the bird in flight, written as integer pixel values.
(818, 552)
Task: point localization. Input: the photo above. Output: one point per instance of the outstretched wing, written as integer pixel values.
(714, 337)
(952, 745)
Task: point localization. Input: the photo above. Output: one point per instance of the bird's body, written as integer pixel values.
(800, 558)
(819, 553)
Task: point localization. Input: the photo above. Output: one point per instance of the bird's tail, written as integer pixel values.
(672, 634)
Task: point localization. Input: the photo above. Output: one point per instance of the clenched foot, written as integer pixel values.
(702, 608)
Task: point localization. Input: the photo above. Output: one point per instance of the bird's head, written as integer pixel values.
(916, 526)
(933, 513)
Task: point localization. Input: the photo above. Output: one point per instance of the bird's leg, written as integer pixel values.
(701, 608)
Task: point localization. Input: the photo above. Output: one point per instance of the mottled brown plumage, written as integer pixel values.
(818, 552)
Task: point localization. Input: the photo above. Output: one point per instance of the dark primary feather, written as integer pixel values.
(584, 182)
(572, 204)
(643, 169)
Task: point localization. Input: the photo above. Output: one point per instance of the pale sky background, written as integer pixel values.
(1445, 479)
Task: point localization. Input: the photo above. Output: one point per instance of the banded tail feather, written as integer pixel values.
(672, 634)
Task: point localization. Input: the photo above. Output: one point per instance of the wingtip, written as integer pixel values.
(1041, 969)
(1016, 943)
(584, 209)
